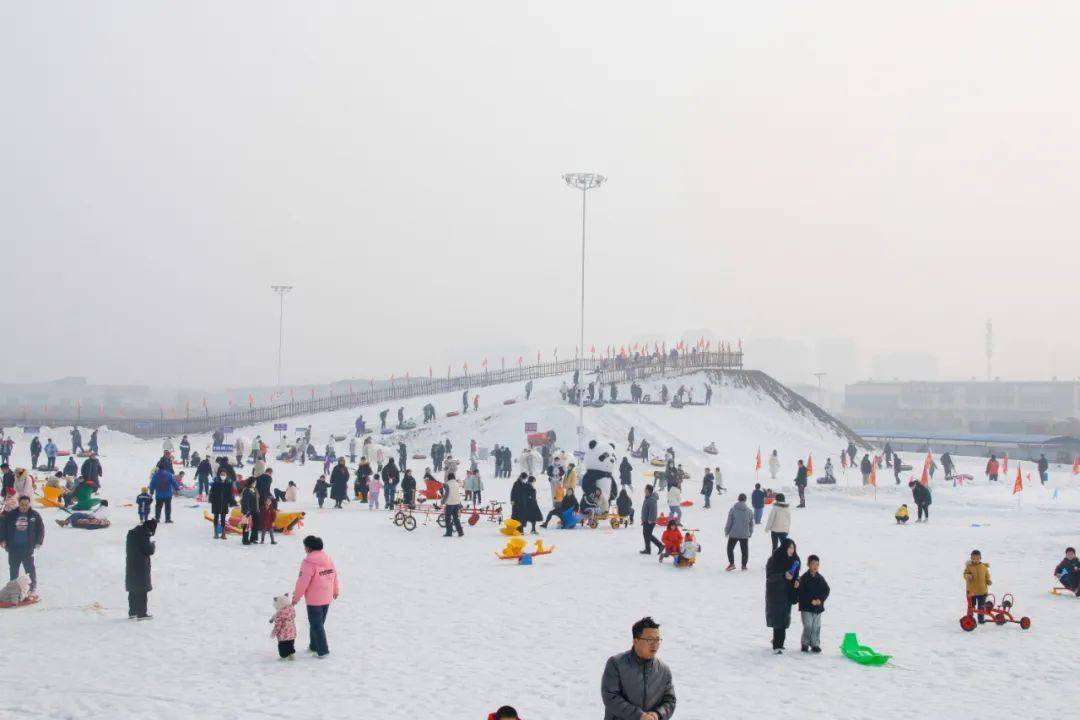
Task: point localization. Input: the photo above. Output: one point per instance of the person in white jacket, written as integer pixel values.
(352, 449)
(674, 501)
(239, 446)
(453, 495)
(167, 445)
(774, 465)
(531, 462)
(779, 522)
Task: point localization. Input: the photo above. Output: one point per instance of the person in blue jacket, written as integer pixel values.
(50, 454)
(163, 484)
(757, 501)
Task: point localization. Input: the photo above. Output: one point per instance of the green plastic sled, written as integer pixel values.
(861, 654)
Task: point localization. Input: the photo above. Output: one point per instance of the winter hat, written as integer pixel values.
(151, 525)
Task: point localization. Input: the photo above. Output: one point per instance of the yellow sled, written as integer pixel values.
(51, 497)
(657, 462)
(515, 548)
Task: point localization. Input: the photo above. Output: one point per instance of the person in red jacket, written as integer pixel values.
(992, 468)
(672, 539)
(266, 520)
(504, 713)
(317, 586)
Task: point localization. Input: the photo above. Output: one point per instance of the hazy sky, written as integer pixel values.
(894, 173)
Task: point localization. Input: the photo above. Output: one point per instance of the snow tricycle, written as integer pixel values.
(990, 610)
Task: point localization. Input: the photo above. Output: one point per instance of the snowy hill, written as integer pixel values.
(421, 611)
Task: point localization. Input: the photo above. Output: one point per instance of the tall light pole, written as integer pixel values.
(820, 396)
(281, 290)
(583, 182)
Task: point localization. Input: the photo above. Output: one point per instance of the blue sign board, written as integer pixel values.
(228, 430)
(31, 429)
(281, 427)
(225, 449)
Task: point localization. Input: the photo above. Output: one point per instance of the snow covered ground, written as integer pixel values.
(434, 627)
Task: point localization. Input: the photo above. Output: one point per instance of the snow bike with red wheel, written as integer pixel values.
(990, 610)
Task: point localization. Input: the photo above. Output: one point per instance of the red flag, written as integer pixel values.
(430, 373)
(843, 460)
(485, 362)
(873, 472)
(1076, 465)
(1005, 464)
(1018, 486)
(757, 460)
(925, 480)
(251, 399)
(810, 465)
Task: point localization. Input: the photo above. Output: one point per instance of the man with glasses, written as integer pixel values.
(636, 685)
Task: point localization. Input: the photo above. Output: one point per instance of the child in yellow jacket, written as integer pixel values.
(977, 581)
(902, 515)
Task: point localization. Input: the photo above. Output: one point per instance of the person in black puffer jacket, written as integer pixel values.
(139, 548)
(921, 494)
(249, 508)
(781, 584)
(222, 497)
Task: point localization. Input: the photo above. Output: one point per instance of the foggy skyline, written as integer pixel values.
(892, 175)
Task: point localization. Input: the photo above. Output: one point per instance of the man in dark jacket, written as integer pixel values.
(408, 488)
(185, 450)
(630, 440)
(35, 452)
(391, 477)
(707, 484)
(921, 495)
(9, 478)
(626, 472)
(403, 455)
(202, 476)
(76, 440)
(265, 482)
(947, 464)
(222, 497)
(865, 467)
(71, 468)
(800, 483)
(757, 502)
(1044, 467)
(636, 685)
(137, 576)
(648, 521)
(91, 469)
(739, 528)
(21, 532)
(517, 499)
(813, 592)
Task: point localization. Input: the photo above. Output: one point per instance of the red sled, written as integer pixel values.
(30, 600)
(452, 413)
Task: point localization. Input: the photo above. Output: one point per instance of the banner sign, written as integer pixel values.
(223, 449)
(281, 427)
(530, 427)
(31, 429)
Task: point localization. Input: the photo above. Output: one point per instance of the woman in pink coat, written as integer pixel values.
(318, 585)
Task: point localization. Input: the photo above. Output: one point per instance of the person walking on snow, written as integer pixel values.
(774, 465)
(138, 549)
(757, 502)
(317, 585)
(636, 685)
(779, 522)
(739, 528)
(649, 515)
(781, 591)
(800, 483)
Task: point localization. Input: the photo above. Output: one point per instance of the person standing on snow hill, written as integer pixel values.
(779, 522)
(452, 493)
(222, 497)
(1044, 467)
(781, 586)
(339, 483)
(185, 450)
(757, 502)
(352, 449)
(947, 465)
(21, 532)
(813, 592)
(774, 465)
(76, 440)
(318, 586)
(167, 446)
(707, 487)
(626, 472)
(992, 467)
(921, 495)
(250, 512)
(636, 685)
(829, 472)
(528, 389)
(202, 476)
(139, 548)
(163, 484)
(391, 477)
(800, 483)
(977, 581)
(674, 501)
(403, 455)
(465, 402)
(1067, 571)
(35, 452)
(239, 446)
(865, 467)
(630, 440)
(739, 529)
(408, 488)
(50, 454)
(71, 468)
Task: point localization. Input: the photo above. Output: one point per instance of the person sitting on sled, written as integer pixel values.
(96, 518)
(688, 552)
(672, 540)
(1068, 571)
(902, 515)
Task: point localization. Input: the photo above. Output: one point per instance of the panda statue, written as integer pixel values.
(599, 472)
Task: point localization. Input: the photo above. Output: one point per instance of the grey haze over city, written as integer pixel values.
(850, 188)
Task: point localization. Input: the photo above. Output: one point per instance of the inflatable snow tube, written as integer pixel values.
(387, 431)
(419, 456)
(186, 491)
(570, 519)
(91, 523)
(406, 426)
(452, 413)
(657, 462)
(509, 402)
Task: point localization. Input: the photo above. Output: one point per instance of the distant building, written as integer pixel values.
(881, 408)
